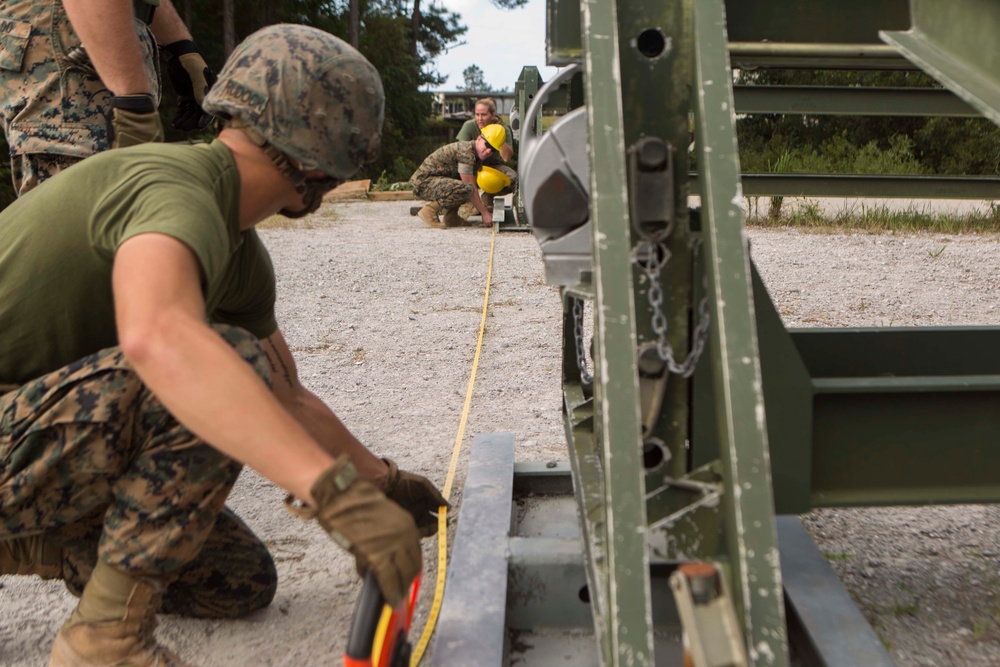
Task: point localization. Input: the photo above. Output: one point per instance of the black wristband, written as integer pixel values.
(180, 47)
(138, 103)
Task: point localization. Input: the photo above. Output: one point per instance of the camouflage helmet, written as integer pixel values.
(309, 94)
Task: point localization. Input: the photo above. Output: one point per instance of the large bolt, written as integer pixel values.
(651, 153)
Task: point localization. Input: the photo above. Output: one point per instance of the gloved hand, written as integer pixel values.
(191, 78)
(378, 533)
(134, 120)
(417, 495)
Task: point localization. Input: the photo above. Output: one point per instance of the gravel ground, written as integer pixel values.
(383, 317)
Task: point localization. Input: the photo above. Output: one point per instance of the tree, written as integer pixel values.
(474, 80)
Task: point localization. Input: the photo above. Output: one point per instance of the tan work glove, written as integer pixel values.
(134, 120)
(379, 534)
(417, 495)
(191, 78)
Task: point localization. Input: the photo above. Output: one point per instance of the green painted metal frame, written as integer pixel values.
(837, 417)
(625, 583)
(733, 357)
(952, 41)
(604, 430)
(850, 101)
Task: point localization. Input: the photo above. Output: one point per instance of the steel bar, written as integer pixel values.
(822, 614)
(850, 101)
(617, 428)
(983, 188)
(739, 403)
(476, 587)
(952, 41)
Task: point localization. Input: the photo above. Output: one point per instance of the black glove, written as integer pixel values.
(417, 495)
(191, 78)
(378, 533)
(134, 120)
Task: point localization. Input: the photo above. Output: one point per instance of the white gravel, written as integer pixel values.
(383, 316)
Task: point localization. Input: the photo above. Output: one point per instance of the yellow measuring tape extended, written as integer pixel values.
(442, 568)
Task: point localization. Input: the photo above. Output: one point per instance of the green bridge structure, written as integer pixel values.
(697, 425)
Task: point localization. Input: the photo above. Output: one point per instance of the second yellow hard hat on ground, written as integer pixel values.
(491, 180)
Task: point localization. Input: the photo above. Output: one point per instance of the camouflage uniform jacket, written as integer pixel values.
(449, 161)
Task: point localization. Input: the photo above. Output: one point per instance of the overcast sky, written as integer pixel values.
(499, 41)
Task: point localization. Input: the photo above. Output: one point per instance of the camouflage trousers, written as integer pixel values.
(448, 192)
(54, 108)
(92, 460)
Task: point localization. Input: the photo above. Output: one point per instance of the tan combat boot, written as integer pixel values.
(467, 210)
(31, 555)
(113, 625)
(429, 214)
(453, 219)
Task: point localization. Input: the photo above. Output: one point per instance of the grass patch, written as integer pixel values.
(879, 219)
(909, 609)
(830, 556)
(319, 219)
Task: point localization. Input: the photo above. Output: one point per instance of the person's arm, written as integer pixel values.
(507, 151)
(477, 201)
(106, 29)
(168, 26)
(159, 311)
(189, 74)
(313, 414)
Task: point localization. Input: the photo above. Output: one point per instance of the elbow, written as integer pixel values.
(145, 342)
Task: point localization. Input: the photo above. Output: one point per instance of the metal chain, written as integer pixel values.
(653, 268)
(581, 353)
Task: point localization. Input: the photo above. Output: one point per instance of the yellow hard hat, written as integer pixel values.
(491, 180)
(495, 135)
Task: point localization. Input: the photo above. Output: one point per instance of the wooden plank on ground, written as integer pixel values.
(349, 190)
(390, 195)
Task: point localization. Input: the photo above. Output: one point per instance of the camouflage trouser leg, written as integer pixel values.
(448, 192)
(92, 460)
(30, 169)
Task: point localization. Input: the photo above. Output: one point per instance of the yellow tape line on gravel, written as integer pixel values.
(442, 533)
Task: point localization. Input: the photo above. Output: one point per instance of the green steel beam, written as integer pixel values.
(736, 380)
(627, 616)
(822, 34)
(850, 101)
(954, 42)
(797, 55)
(868, 185)
(855, 22)
(905, 448)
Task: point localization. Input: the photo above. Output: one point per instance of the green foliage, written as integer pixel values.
(864, 144)
(386, 39)
(474, 80)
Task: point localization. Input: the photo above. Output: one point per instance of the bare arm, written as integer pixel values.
(313, 414)
(477, 201)
(506, 151)
(159, 311)
(107, 31)
(167, 25)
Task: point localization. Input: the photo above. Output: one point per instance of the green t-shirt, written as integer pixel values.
(58, 242)
(470, 131)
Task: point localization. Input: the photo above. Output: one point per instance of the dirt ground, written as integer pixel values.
(382, 315)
